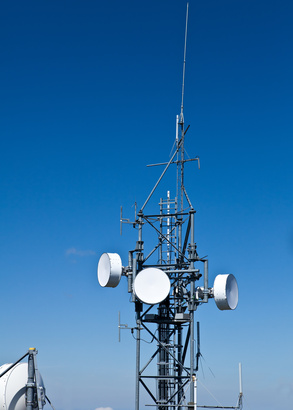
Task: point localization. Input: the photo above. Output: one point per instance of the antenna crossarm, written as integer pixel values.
(179, 161)
(162, 216)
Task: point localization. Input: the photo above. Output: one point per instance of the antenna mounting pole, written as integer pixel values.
(184, 63)
(180, 163)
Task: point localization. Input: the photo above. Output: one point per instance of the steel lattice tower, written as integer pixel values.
(170, 370)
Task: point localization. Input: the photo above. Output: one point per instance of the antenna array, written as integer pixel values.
(167, 291)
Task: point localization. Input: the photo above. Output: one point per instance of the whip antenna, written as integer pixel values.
(184, 63)
(180, 122)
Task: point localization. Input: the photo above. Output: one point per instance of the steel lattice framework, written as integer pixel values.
(171, 322)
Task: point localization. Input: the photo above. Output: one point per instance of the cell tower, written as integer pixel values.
(167, 291)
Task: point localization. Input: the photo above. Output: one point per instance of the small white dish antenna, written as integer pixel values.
(109, 270)
(226, 292)
(151, 286)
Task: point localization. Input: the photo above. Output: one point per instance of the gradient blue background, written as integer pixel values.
(89, 95)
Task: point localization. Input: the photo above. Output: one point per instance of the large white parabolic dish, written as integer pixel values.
(13, 387)
(226, 292)
(109, 270)
(151, 286)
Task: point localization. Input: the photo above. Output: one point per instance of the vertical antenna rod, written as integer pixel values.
(184, 63)
(180, 167)
(240, 398)
(240, 379)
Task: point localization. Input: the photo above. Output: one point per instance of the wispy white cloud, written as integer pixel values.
(285, 389)
(104, 408)
(79, 252)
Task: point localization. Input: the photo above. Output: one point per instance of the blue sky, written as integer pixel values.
(89, 95)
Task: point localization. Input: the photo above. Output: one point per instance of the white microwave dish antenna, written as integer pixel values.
(13, 387)
(151, 286)
(109, 270)
(226, 292)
